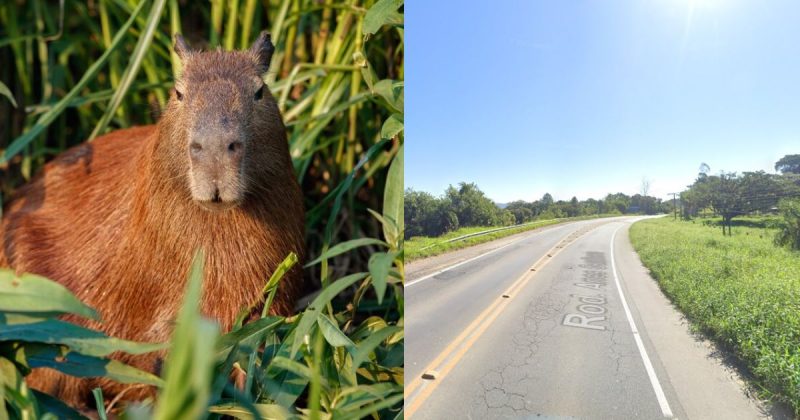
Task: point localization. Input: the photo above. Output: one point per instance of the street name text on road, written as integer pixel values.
(591, 309)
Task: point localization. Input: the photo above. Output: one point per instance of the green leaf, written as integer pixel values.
(333, 335)
(310, 315)
(98, 402)
(190, 364)
(376, 407)
(7, 93)
(292, 366)
(392, 92)
(83, 366)
(343, 247)
(354, 398)
(392, 126)
(8, 318)
(30, 293)
(379, 265)
(367, 72)
(52, 405)
(77, 338)
(282, 386)
(393, 202)
(266, 411)
(15, 393)
(277, 275)
(252, 331)
(381, 13)
(366, 347)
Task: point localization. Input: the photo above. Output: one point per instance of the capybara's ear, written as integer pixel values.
(181, 48)
(262, 50)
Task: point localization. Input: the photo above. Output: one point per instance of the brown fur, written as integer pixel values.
(114, 221)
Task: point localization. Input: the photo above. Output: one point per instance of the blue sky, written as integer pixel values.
(589, 97)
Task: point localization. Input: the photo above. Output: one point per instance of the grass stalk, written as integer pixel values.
(230, 27)
(130, 72)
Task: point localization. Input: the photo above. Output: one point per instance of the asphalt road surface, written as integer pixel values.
(561, 322)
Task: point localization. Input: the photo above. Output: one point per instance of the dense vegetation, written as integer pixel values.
(468, 206)
(730, 195)
(740, 289)
(337, 73)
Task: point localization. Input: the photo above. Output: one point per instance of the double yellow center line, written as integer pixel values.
(421, 387)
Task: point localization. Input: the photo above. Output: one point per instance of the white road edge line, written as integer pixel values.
(436, 273)
(648, 366)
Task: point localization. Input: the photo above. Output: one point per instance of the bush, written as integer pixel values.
(448, 223)
(507, 218)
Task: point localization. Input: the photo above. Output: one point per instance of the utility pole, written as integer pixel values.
(674, 205)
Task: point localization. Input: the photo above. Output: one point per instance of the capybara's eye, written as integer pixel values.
(260, 93)
(179, 94)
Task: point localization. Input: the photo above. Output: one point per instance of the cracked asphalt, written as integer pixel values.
(563, 347)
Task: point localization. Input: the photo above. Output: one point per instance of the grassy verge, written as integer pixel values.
(741, 290)
(425, 246)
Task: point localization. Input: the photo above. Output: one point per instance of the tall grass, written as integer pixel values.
(337, 74)
(742, 290)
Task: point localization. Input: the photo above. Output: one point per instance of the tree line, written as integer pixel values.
(466, 205)
(729, 194)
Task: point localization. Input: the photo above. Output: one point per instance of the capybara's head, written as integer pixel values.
(223, 115)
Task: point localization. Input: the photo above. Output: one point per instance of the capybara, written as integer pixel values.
(119, 219)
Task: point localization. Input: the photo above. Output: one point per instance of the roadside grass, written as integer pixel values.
(741, 290)
(425, 246)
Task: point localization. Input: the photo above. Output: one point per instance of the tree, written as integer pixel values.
(521, 210)
(507, 218)
(788, 164)
(472, 206)
(645, 187)
(731, 195)
(573, 209)
(591, 206)
(448, 222)
(618, 203)
(419, 208)
(723, 196)
(789, 234)
(546, 201)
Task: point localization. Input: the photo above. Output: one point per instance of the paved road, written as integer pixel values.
(562, 322)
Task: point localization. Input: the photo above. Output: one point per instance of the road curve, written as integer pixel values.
(562, 322)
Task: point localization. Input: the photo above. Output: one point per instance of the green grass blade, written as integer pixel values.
(130, 72)
(7, 93)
